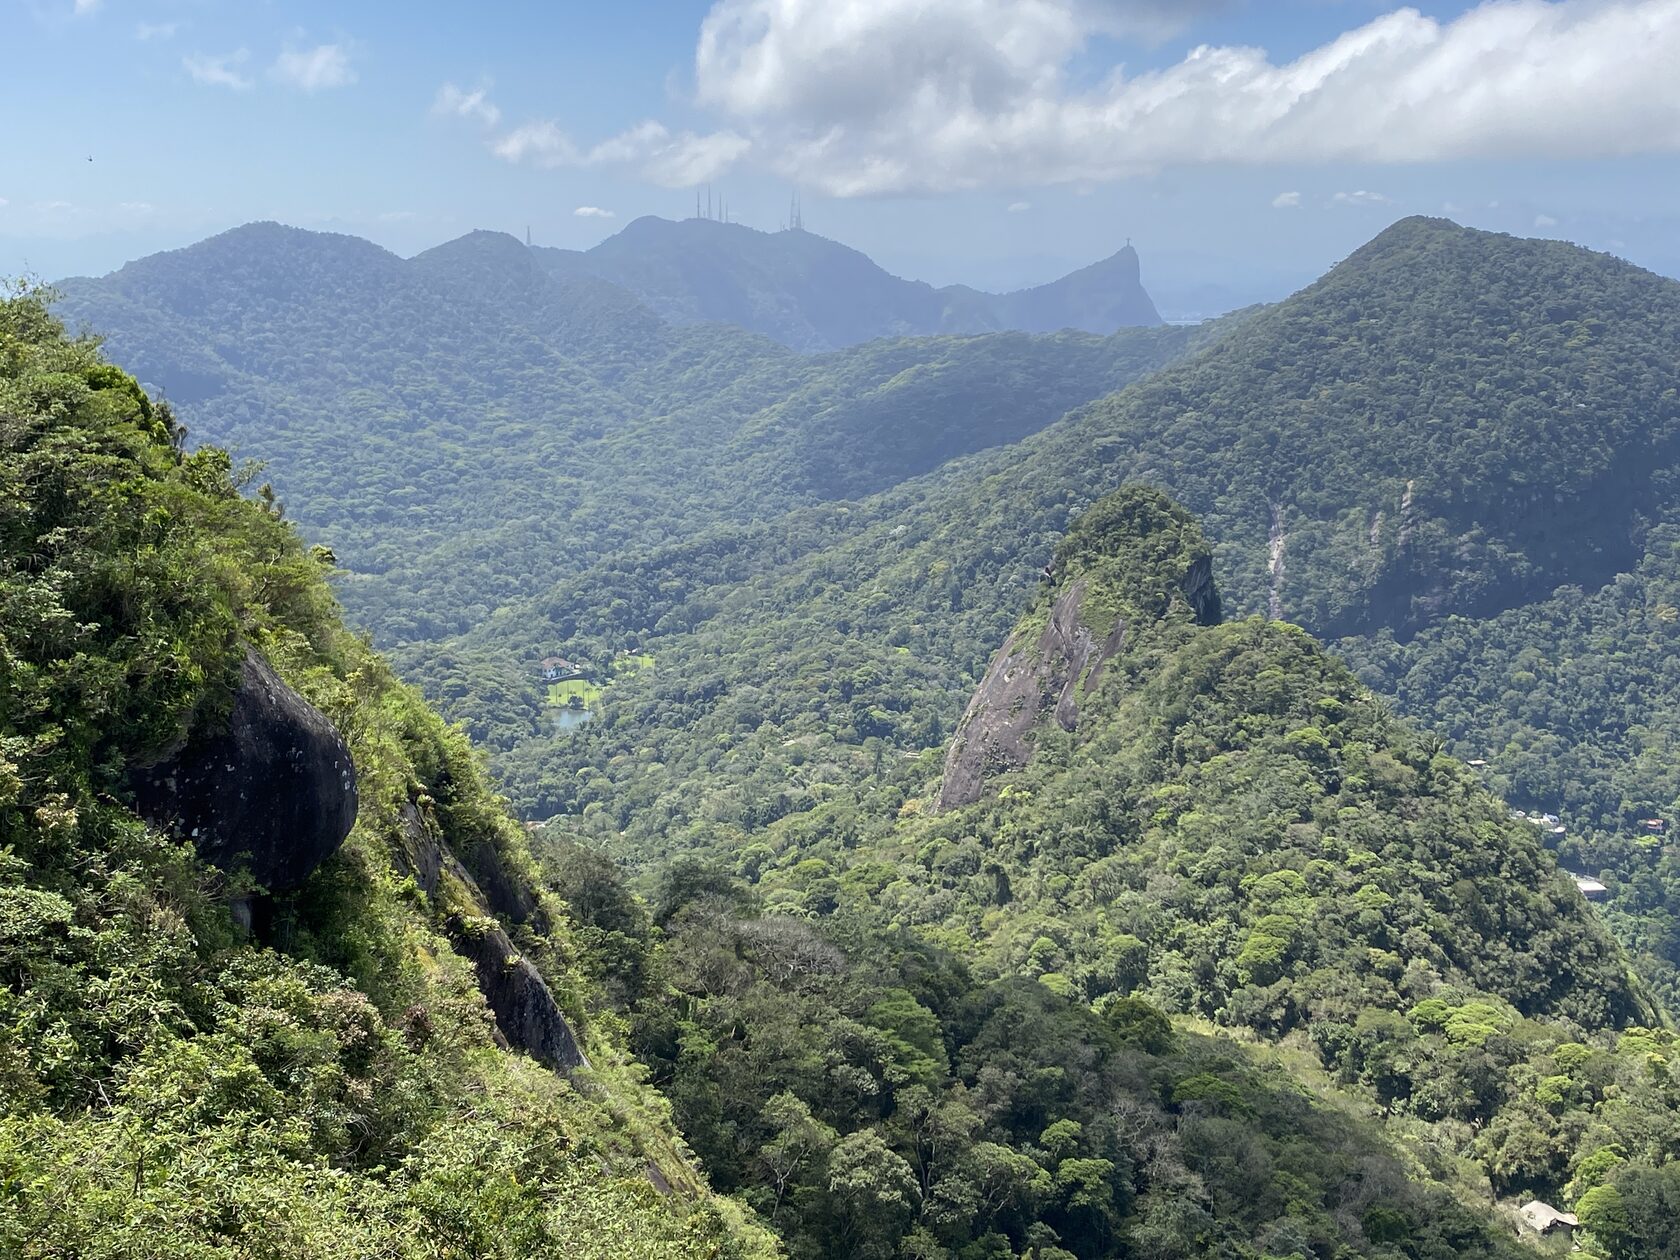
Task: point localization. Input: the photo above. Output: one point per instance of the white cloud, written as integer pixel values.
(4, 203)
(1361, 197)
(862, 97)
(1019, 207)
(84, 7)
(1544, 221)
(145, 32)
(1286, 201)
(135, 207)
(219, 71)
(542, 143)
(475, 106)
(314, 69)
(676, 161)
(594, 212)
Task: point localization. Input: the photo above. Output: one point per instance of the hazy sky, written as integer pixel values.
(1244, 146)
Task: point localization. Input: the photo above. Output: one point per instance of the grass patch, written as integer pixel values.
(563, 693)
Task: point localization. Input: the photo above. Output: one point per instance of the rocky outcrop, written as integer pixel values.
(269, 788)
(1024, 680)
(524, 1006)
(1201, 592)
(527, 1014)
(1133, 561)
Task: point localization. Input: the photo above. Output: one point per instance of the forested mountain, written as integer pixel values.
(812, 293)
(957, 1011)
(1445, 452)
(466, 429)
(1442, 432)
(779, 579)
(266, 936)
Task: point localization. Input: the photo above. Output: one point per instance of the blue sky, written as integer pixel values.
(1244, 146)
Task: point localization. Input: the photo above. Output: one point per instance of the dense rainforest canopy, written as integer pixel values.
(172, 1084)
(778, 580)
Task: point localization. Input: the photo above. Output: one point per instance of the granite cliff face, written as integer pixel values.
(269, 788)
(1134, 556)
(528, 1017)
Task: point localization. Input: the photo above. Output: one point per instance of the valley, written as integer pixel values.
(989, 793)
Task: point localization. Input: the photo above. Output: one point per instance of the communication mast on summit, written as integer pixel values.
(719, 214)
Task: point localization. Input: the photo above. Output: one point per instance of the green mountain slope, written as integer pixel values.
(814, 294)
(191, 1064)
(464, 429)
(1212, 820)
(1413, 454)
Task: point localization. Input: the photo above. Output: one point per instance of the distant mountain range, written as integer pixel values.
(782, 574)
(521, 425)
(812, 293)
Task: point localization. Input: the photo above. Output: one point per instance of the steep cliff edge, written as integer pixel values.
(188, 1066)
(1135, 555)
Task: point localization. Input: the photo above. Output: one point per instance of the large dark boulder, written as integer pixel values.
(268, 788)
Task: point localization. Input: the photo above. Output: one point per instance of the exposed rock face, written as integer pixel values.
(1199, 588)
(269, 789)
(527, 1015)
(1132, 559)
(525, 1009)
(1021, 683)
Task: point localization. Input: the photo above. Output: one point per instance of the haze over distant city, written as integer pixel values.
(998, 143)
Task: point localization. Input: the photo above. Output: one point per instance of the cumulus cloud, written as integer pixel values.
(542, 143)
(594, 212)
(675, 160)
(219, 71)
(475, 106)
(862, 97)
(1361, 197)
(314, 69)
(1287, 201)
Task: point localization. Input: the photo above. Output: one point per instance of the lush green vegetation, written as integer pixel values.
(171, 1085)
(1455, 454)
(1574, 703)
(944, 1034)
(1444, 431)
(465, 430)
